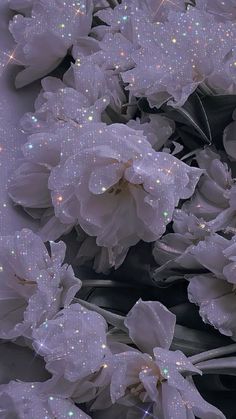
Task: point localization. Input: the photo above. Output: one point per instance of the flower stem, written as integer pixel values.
(206, 90)
(108, 283)
(112, 3)
(213, 353)
(111, 318)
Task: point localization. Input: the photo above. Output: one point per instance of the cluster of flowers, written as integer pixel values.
(92, 164)
(87, 365)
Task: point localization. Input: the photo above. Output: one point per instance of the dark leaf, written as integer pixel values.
(219, 111)
(143, 106)
(192, 341)
(193, 114)
(190, 138)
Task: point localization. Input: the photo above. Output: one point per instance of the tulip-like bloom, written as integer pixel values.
(117, 188)
(33, 284)
(97, 68)
(214, 292)
(97, 257)
(73, 343)
(215, 196)
(44, 38)
(57, 107)
(178, 55)
(173, 251)
(31, 400)
(120, 38)
(229, 138)
(151, 379)
(59, 103)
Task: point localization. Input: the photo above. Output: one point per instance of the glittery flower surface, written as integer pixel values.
(114, 175)
(124, 15)
(178, 55)
(44, 37)
(222, 10)
(30, 400)
(97, 67)
(214, 292)
(73, 343)
(156, 128)
(57, 108)
(59, 103)
(121, 144)
(34, 285)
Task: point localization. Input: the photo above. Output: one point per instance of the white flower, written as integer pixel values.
(44, 38)
(156, 128)
(97, 68)
(102, 258)
(58, 103)
(58, 108)
(31, 400)
(215, 196)
(123, 17)
(229, 138)
(29, 184)
(116, 52)
(120, 37)
(34, 285)
(178, 55)
(150, 378)
(214, 292)
(117, 188)
(173, 251)
(73, 343)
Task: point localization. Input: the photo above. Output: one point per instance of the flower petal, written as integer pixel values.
(172, 403)
(150, 324)
(216, 300)
(73, 343)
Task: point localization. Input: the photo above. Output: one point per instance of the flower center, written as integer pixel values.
(118, 187)
(138, 389)
(23, 281)
(123, 183)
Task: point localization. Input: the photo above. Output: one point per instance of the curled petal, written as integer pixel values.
(150, 324)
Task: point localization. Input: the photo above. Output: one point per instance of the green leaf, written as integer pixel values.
(219, 110)
(192, 341)
(193, 114)
(144, 106)
(202, 119)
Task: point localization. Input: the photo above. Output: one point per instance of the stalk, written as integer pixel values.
(213, 353)
(112, 3)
